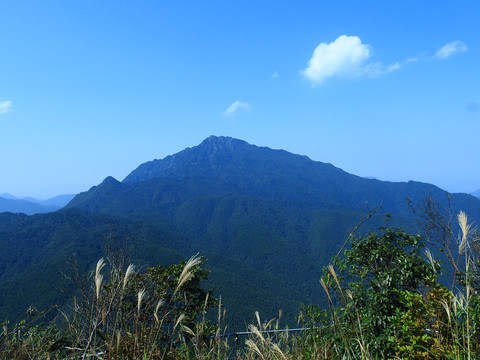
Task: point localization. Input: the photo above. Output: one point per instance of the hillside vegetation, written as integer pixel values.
(384, 302)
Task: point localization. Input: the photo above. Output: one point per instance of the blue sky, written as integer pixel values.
(88, 89)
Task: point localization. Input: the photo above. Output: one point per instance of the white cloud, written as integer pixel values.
(344, 57)
(347, 57)
(451, 49)
(236, 107)
(5, 106)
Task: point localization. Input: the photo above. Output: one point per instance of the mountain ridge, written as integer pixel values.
(268, 220)
(222, 165)
(476, 193)
(30, 205)
(208, 152)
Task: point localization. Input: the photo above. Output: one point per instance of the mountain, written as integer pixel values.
(24, 206)
(223, 165)
(8, 196)
(59, 200)
(30, 206)
(266, 220)
(476, 193)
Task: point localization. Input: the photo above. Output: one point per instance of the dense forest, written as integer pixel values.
(384, 301)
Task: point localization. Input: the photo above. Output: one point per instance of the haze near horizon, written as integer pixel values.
(93, 89)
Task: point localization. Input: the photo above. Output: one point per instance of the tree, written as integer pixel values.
(374, 276)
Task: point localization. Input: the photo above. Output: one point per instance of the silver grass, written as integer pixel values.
(98, 276)
(183, 279)
(257, 332)
(269, 323)
(277, 349)
(252, 346)
(100, 265)
(160, 303)
(465, 227)
(130, 271)
(430, 258)
(326, 290)
(186, 275)
(334, 274)
(187, 330)
(460, 301)
(257, 315)
(205, 303)
(179, 320)
(454, 306)
(447, 309)
(140, 296)
(98, 284)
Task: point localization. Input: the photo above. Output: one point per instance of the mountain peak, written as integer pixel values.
(109, 180)
(221, 143)
(9, 196)
(210, 153)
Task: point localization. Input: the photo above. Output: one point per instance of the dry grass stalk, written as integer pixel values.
(430, 259)
(276, 348)
(130, 271)
(465, 228)
(140, 296)
(179, 320)
(326, 290)
(160, 303)
(257, 332)
(99, 277)
(446, 306)
(100, 265)
(187, 330)
(257, 316)
(186, 275)
(334, 274)
(253, 347)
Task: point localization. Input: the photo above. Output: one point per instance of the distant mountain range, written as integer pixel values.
(266, 220)
(476, 193)
(30, 206)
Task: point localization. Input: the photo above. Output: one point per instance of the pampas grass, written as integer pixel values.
(99, 277)
(130, 271)
(186, 274)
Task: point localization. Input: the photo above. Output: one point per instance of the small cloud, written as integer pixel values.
(450, 49)
(473, 107)
(377, 69)
(5, 106)
(344, 57)
(275, 75)
(236, 107)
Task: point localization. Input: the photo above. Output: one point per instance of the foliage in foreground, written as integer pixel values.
(385, 303)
